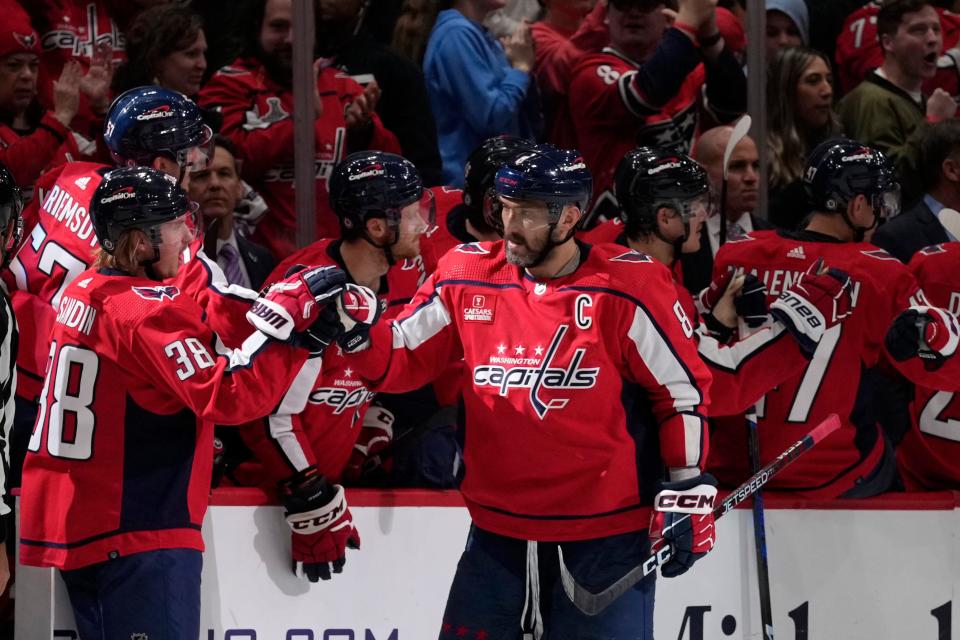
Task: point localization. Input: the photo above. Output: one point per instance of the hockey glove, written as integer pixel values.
(818, 300)
(291, 305)
(683, 519)
(321, 522)
(710, 296)
(357, 309)
(928, 332)
(751, 302)
(375, 435)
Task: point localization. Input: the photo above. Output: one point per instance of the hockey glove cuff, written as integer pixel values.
(322, 525)
(375, 435)
(683, 519)
(816, 302)
(292, 304)
(928, 332)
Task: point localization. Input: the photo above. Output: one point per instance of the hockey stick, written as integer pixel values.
(759, 528)
(593, 603)
(739, 133)
(950, 219)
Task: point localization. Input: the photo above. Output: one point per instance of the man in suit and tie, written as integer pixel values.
(217, 189)
(743, 180)
(919, 226)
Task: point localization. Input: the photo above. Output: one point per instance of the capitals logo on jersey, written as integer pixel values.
(345, 392)
(536, 373)
(161, 292)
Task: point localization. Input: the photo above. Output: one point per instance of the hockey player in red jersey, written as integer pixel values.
(383, 209)
(646, 88)
(660, 192)
(581, 384)
(929, 454)
(118, 470)
(62, 242)
(255, 95)
(476, 218)
(852, 188)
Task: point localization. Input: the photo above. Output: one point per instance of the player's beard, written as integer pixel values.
(528, 253)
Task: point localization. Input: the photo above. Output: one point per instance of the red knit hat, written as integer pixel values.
(17, 35)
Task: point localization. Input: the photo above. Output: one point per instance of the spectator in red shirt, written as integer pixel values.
(255, 96)
(30, 138)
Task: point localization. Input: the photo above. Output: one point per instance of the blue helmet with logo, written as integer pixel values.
(557, 177)
(151, 121)
(136, 198)
(840, 169)
(373, 184)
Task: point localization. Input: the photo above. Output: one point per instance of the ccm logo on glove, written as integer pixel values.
(687, 501)
(315, 523)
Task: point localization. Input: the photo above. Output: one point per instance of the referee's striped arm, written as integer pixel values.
(9, 343)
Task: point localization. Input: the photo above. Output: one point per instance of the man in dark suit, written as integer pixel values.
(217, 189)
(918, 226)
(743, 179)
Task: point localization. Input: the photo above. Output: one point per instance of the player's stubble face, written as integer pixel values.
(524, 249)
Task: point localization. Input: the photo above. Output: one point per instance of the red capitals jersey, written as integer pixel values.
(118, 462)
(746, 369)
(594, 375)
(29, 156)
(882, 287)
(317, 421)
(257, 116)
(70, 30)
(929, 454)
(858, 50)
(611, 115)
(62, 244)
(606, 231)
(450, 228)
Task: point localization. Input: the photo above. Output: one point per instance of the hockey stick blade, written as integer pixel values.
(950, 219)
(593, 603)
(739, 133)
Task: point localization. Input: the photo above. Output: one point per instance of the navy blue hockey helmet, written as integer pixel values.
(840, 169)
(648, 179)
(11, 208)
(151, 121)
(137, 198)
(376, 184)
(480, 172)
(557, 177)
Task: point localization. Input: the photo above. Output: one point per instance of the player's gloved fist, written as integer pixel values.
(710, 296)
(818, 300)
(322, 526)
(751, 302)
(683, 519)
(375, 434)
(928, 332)
(291, 305)
(357, 309)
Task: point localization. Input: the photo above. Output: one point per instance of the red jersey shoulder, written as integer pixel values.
(622, 268)
(937, 270)
(403, 280)
(312, 255)
(601, 68)
(474, 261)
(607, 231)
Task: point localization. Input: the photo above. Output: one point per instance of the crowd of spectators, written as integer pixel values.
(432, 80)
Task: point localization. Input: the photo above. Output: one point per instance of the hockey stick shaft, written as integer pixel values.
(593, 603)
(759, 529)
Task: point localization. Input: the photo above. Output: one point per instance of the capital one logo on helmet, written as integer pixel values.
(123, 194)
(368, 172)
(163, 111)
(539, 377)
(668, 163)
(576, 166)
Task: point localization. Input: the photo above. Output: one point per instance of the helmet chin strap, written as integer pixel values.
(386, 248)
(859, 233)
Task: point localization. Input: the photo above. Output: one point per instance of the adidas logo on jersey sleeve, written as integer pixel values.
(797, 252)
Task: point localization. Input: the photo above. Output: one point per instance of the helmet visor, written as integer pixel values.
(531, 215)
(184, 228)
(417, 217)
(196, 158)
